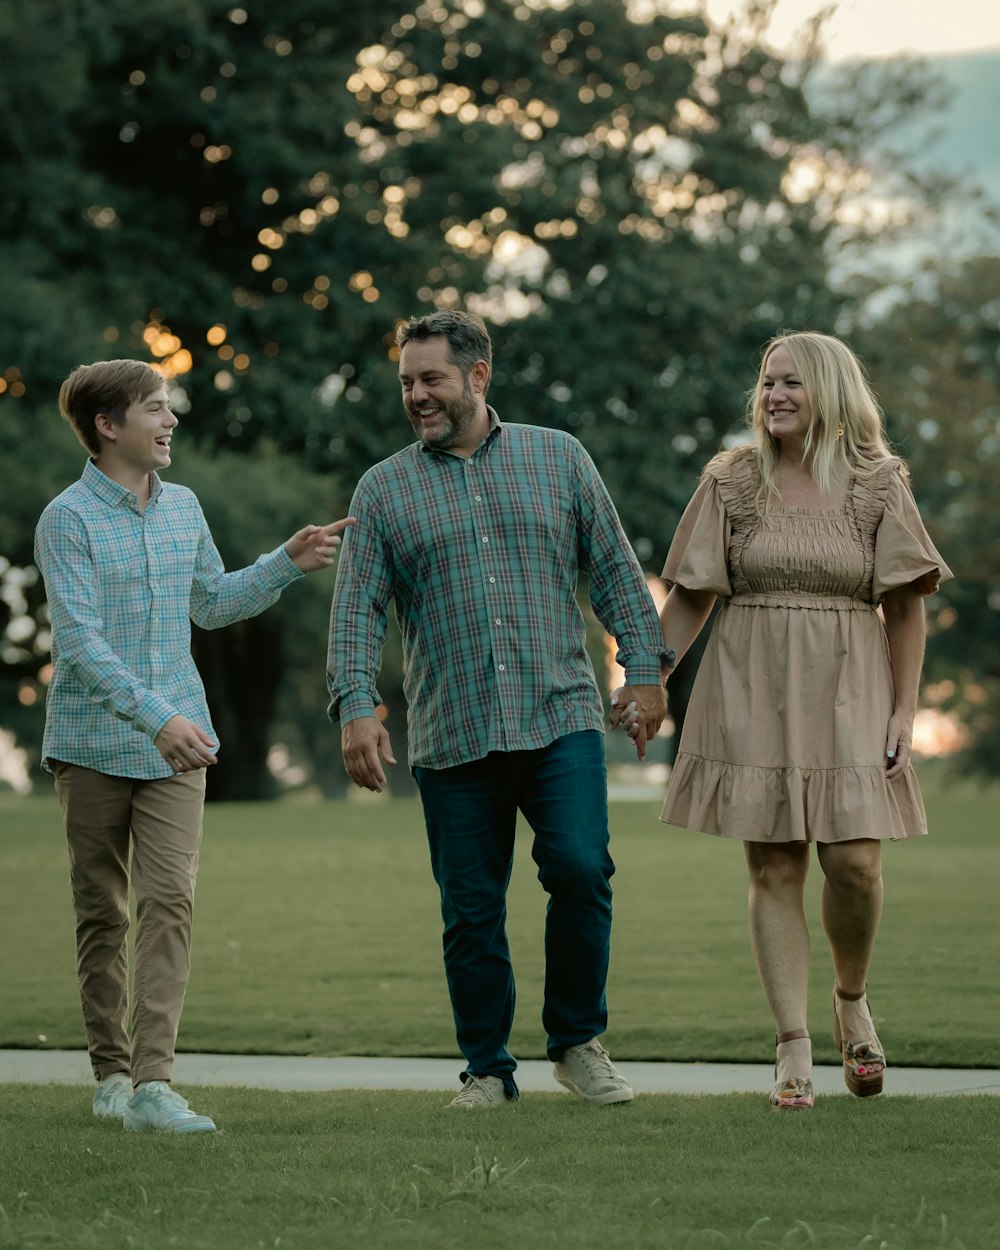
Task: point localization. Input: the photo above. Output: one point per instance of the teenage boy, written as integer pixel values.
(128, 563)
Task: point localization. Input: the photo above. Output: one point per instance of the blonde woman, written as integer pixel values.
(801, 718)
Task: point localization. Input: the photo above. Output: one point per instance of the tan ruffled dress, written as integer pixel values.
(784, 739)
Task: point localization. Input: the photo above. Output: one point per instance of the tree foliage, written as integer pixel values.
(619, 194)
(935, 359)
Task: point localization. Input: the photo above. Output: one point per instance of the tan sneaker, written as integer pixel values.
(480, 1092)
(588, 1071)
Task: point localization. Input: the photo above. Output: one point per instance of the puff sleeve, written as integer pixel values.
(904, 553)
(697, 556)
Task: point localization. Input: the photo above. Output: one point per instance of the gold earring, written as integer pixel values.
(840, 431)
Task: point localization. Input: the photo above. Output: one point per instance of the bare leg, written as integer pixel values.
(779, 937)
(851, 910)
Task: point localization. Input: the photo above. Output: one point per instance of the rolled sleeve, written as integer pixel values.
(358, 620)
(618, 591)
(152, 713)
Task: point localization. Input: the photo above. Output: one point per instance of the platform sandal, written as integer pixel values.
(864, 1062)
(794, 1093)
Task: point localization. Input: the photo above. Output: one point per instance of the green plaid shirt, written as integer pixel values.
(482, 557)
(123, 587)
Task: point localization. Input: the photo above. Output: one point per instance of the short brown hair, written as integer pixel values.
(108, 387)
(466, 334)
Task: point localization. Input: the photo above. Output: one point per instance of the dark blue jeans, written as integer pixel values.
(470, 813)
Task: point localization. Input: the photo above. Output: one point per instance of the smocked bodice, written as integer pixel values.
(847, 557)
(799, 554)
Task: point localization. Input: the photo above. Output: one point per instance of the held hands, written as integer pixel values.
(639, 710)
(184, 746)
(314, 546)
(365, 743)
(898, 741)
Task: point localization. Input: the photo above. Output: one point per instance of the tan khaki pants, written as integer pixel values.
(163, 821)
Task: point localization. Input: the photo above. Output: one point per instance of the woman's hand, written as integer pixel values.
(898, 744)
(624, 715)
(905, 628)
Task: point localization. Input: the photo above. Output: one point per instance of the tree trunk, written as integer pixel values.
(242, 668)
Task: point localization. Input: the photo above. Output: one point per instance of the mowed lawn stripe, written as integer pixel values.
(317, 932)
(387, 1171)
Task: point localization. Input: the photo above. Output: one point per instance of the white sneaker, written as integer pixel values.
(155, 1105)
(111, 1096)
(588, 1071)
(480, 1092)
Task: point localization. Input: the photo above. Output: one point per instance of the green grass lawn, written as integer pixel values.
(367, 1171)
(317, 932)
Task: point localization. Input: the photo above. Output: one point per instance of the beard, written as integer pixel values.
(455, 418)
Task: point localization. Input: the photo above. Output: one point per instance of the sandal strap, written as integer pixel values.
(863, 1052)
(792, 1035)
(849, 998)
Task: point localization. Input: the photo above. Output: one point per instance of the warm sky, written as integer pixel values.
(884, 27)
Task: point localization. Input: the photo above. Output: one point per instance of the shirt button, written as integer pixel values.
(492, 579)
(486, 540)
(497, 621)
(479, 499)
(503, 668)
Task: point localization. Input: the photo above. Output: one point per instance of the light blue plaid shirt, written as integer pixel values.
(123, 587)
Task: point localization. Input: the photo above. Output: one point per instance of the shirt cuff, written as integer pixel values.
(354, 706)
(152, 714)
(281, 566)
(643, 670)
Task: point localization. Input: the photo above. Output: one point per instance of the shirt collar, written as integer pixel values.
(495, 426)
(112, 492)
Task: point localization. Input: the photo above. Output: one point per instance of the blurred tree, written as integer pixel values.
(934, 357)
(37, 464)
(253, 195)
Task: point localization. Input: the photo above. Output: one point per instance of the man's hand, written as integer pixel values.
(315, 546)
(184, 746)
(640, 711)
(365, 743)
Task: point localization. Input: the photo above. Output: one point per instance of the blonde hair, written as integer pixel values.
(106, 388)
(848, 428)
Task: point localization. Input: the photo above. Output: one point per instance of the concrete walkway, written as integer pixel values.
(71, 1067)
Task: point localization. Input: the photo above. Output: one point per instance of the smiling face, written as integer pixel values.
(139, 444)
(446, 408)
(787, 411)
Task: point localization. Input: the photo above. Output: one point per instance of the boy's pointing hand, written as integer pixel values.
(315, 546)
